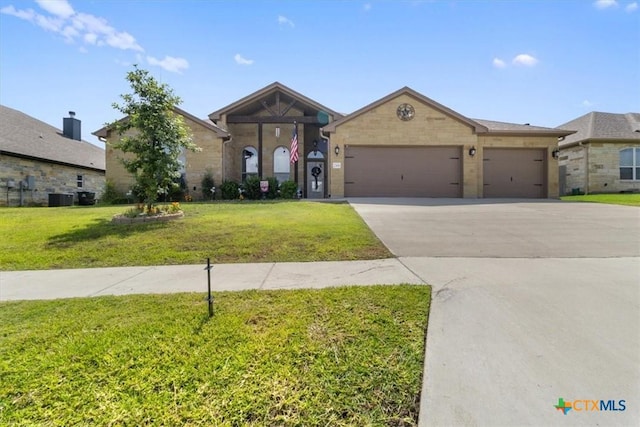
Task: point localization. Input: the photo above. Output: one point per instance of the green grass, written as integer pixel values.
(338, 356)
(83, 237)
(612, 199)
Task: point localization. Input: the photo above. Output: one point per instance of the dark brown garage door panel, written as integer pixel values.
(402, 171)
(514, 172)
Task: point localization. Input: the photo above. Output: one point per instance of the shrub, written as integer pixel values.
(207, 184)
(252, 188)
(288, 190)
(229, 190)
(273, 188)
(110, 195)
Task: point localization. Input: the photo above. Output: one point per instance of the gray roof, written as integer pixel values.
(494, 126)
(25, 136)
(104, 131)
(603, 126)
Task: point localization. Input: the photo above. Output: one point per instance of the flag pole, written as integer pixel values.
(295, 165)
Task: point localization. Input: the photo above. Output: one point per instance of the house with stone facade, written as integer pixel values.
(603, 156)
(37, 160)
(210, 138)
(402, 145)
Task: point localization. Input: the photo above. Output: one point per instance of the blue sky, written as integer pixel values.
(538, 62)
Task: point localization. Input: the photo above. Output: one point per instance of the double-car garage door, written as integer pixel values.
(403, 171)
(437, 172)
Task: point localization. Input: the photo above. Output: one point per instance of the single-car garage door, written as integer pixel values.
(402, 171)
(514, 172)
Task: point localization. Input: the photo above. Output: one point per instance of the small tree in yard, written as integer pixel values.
(158, 135)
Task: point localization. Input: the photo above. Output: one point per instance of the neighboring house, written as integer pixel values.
(603, 156)
(403, 145)
(37, 159)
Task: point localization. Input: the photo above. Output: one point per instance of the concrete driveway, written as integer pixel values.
(533, 301)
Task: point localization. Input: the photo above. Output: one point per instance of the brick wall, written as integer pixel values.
(49, 178)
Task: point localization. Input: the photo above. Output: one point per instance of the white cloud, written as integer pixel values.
(69, 33)
(90, 38)
(60, 18)
(123, 41)
(241, 60)
(631, 7)
(60, 8)
(27, 15)
(499, 63)
(169, 63)
(524, 59)
(587, 104)
(367, 7)
(49, 23)
(283, 20)
(605, 4)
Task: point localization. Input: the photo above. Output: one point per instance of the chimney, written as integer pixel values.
(71, 127)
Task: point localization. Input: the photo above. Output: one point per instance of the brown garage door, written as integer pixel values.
(402, 171)
(517, 172)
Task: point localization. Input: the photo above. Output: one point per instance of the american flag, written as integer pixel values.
(294, 144)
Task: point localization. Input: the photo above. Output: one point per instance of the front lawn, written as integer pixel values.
(337, 356)
(612, 199)
(83, 237)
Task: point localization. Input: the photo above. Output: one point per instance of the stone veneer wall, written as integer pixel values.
(380, 126)
(197, 163)
(49, 178)
(595, 168)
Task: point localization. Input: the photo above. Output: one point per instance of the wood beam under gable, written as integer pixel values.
(286, 110)
(266, 106)
(272, 119)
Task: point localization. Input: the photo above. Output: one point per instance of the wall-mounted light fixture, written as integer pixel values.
(555, 153)
(472, 151)
(337, 150)
(277, 131)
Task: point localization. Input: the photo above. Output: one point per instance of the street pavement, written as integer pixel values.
(532, 301)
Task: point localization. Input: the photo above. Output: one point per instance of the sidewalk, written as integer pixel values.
(51, 284)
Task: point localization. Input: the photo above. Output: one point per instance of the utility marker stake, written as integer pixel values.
(210, 298)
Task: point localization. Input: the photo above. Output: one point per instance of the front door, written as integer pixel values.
(316, 175)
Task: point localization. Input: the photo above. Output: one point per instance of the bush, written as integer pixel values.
(110, 195)
(273, 188)
(229, 190)
(288, 190)
(251, 188)
(207, 184)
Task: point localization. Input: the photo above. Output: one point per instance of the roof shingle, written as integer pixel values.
(23, 135)
(597, 125)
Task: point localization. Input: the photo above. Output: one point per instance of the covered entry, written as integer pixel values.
(514, 172)
(402, 171)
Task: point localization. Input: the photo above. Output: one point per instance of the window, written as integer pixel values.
(80, 181)
(281, 164)
(630, 164)
(249, 162)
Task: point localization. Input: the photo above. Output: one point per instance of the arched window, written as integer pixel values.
(281, 164)
(630, 164)
(249, 162)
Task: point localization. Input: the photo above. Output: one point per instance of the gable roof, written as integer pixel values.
(251, 103)
(103, 132)
(24, 136)
(486, 127)
(331, 127)
(603, 126)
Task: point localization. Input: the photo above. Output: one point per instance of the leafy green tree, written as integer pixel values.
(153, 133)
